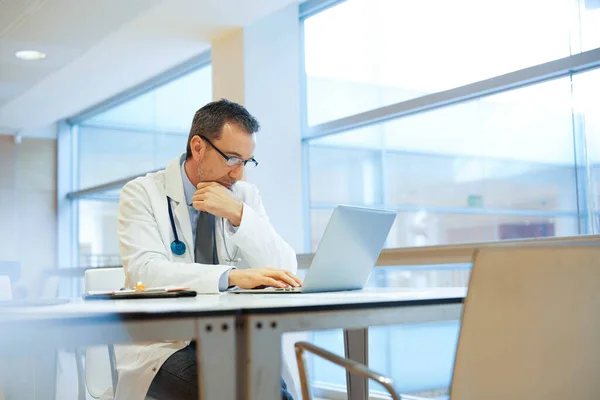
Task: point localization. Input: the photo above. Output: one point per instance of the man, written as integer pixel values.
(195, 224)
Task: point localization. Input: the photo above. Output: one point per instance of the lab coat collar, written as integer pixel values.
(173, 181)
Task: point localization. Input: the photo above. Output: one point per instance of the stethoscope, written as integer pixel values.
(178, 247)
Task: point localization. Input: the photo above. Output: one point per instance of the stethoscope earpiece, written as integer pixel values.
(178, 247)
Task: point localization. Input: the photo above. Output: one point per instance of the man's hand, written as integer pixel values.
(256, 277)
(216, 199)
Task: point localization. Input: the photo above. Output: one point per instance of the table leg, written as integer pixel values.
(216, 352)
(259, 359)
(356, 347)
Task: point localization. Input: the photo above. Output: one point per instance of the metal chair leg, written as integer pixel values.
(113, 367)
(349, 365)
(81, 389)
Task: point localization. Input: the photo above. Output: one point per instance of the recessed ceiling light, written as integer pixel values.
(30, 55)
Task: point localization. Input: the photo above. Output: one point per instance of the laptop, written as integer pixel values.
(346, 254)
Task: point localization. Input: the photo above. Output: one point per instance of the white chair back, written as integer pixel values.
(5, 288)
(530, 325)
(98, 376)
(49, 288)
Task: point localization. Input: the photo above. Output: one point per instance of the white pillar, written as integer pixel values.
(259, 67)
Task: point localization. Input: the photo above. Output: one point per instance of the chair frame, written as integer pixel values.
(349, 365)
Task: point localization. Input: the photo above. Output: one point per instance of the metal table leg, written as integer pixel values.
(216, 352)
(356, 347)
(259, 359)
(45, 374)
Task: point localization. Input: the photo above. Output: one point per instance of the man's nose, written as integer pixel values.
(237, 172)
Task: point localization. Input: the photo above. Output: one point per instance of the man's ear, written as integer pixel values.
(198, 148)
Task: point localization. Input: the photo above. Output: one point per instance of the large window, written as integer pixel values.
(364, 54)
(474, 121)
(142, 134)
(500, 167)
(135, 136)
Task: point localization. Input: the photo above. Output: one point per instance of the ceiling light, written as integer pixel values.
(30, 55)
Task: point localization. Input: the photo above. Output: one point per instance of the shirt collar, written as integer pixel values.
(188, 187)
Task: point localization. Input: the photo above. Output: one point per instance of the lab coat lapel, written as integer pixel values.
(174, 189)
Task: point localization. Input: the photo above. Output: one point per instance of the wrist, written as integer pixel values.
(236, 216)
(233, 275)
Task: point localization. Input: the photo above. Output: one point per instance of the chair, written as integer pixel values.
(529, 329)
(100, 363)
(5, 288)
(530, 325)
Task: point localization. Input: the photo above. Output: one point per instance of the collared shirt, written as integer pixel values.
(189, 190)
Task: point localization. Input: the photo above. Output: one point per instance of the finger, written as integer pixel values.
(288, 279)
(199, 197)
(272, 282)
(294, 277)
(204, 185)
(204, 191)
(288, 273)
(283, 277)
(199, 205)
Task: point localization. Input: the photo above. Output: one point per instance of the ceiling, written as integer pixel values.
(97, 49)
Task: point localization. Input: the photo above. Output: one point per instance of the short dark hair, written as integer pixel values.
(209, 120)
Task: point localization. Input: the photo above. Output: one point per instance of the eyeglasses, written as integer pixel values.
(232, 161)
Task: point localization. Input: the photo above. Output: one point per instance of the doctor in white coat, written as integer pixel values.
(195, 224)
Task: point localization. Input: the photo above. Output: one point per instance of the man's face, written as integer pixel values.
(233, 142)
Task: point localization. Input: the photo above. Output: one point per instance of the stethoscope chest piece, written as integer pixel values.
(178, 247)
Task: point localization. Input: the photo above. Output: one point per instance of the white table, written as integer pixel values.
(251, 351)
(208, 319)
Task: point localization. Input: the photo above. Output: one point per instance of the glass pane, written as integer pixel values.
(500, 167)
(590, 23)
(323, 371)
(454, 181)
(421, 276)
(107, 155)
(98, 243)
(425, 228)
(586, 90)
(170, 107)
(364, 54)
(340, 175)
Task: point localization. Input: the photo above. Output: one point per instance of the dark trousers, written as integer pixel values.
(177, 379)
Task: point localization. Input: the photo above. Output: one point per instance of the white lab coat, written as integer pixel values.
(145, 236)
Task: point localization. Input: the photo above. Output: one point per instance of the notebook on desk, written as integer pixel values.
(149, 293)
(346, 254)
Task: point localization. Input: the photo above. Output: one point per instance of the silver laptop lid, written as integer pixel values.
(348, 249)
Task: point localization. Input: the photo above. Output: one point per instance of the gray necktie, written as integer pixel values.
(205, 239)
